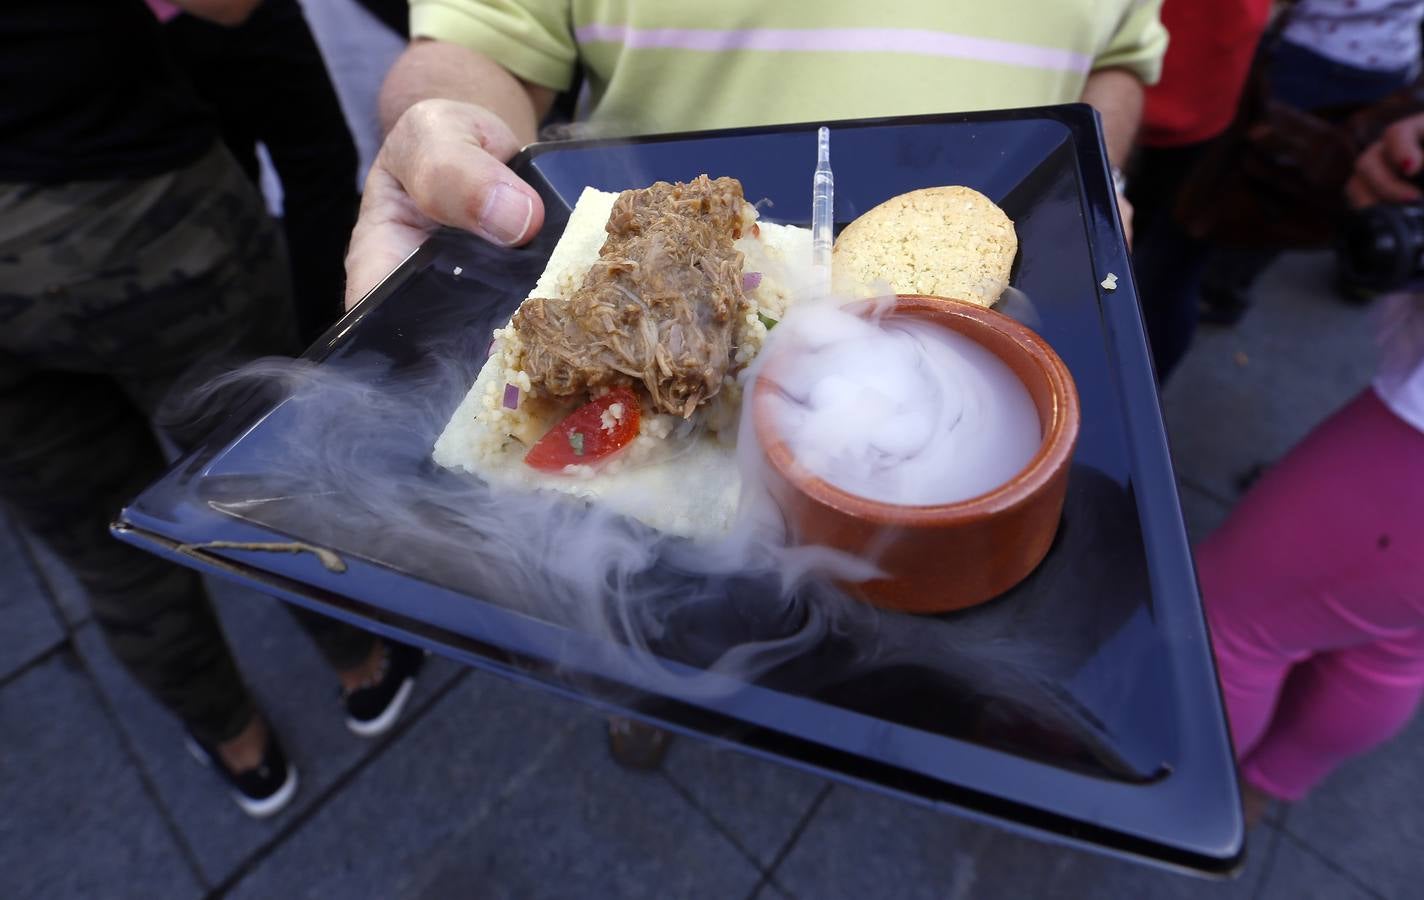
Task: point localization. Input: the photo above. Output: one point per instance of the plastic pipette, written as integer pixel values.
(823, 192)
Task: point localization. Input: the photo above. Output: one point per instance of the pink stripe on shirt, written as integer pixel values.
(839, 40)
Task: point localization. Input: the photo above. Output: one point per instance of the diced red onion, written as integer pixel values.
(750, 280)
(511, 397)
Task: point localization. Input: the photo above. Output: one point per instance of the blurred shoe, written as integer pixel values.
(635, 745)
(1256, 804)
(372, 710)
(1354, 294)
(260, 792)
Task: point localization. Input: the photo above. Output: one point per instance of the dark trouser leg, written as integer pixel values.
(1167, 262)
(1228, 279)
(1169, 267)
(110, 293)
(75, 450)
(343, 646)
(237, 310)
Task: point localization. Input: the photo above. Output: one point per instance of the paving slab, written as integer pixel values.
(1368, 817)
(758, 803)
(1301, 874)
(584, 828)
(1010, 866)
(297, 691)
(1294, 302)
(62, 587)
(77, 820)
(1245, 395)
(504, 791)
(1202, 512)
(768, 890)
(30, 629)
(860, 844)
(482, 739)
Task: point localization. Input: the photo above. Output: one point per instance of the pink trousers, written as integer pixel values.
(1314, 591)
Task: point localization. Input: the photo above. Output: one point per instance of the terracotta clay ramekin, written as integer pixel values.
(938, 558)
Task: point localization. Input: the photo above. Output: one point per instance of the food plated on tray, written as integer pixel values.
(616, 379)
(621, 378)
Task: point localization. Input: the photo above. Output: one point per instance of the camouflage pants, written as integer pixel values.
(112, 295)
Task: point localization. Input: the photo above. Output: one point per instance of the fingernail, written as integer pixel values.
(506, 215)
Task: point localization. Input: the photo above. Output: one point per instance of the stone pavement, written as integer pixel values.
(490, 790)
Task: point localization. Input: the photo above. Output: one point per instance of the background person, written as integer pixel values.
(135, 258)
(1314, 586)
(1207, 62)
(1334, 58)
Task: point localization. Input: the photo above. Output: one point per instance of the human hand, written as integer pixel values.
(1383, 171)
(442, 164)
(1124, 211)
(228, 13)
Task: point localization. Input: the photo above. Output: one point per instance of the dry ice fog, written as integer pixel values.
(899, 411)
(879, 407)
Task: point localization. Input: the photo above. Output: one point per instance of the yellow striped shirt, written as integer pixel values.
(666, 65)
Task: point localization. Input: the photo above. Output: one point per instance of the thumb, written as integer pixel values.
(450, 159)
(388, 229)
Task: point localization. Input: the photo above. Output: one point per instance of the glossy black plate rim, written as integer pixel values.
(1148, 451)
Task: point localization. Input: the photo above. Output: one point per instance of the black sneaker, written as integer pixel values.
(260, 792)
(371, 711)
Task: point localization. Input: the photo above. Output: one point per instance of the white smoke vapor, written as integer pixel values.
(351, 469)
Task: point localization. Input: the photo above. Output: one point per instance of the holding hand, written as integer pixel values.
(442, 164)
(1383, 172)
(1125, 211)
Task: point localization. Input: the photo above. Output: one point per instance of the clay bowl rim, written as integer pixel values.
(1053, 454)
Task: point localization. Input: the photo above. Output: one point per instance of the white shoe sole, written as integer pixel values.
(382, 723)
(257, 809)
(261, 809)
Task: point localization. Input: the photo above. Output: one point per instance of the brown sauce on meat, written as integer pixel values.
(659, 307)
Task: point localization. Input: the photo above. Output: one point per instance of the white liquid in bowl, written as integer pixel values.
(902, 411)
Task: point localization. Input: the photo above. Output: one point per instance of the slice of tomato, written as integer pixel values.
(581, 439)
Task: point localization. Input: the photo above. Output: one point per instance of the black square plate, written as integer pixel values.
(1081, 706)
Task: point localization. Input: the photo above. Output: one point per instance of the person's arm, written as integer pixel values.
(453, 118)
(1131, 60)
(1117, 94)
(438, 70)
(223, 12)
(457, 105)
(1383, 172)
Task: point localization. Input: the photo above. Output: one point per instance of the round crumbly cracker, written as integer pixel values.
(944, 241)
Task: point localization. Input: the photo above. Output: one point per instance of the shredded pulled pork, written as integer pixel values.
(658, 307)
